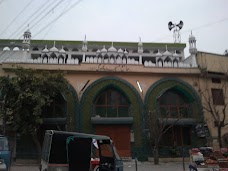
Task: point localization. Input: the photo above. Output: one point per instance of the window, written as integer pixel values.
(216, 80)
(174, 104)
(111, 103)
(57, 108)
(177, 136)
(217, 95)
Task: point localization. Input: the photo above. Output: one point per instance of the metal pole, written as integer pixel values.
(183, 158)
(136, 165)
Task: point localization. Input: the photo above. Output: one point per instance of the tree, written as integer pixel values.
(25, 95)
(214, 101)
(158, 125)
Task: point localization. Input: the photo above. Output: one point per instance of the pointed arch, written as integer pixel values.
(165, 84)
(94, 89)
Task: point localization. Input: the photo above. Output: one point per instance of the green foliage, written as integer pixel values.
(26, 94)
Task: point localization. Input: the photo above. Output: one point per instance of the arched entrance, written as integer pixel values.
(179, 108)
(111, 106)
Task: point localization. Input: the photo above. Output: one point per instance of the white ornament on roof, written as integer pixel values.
(140, 46)
(27, 38)
(120, 50)
(98, 51)
(84, 45)
(167, 53)
(112, 49)
(192, 44)
(54, 49)
(175, 54)
(125, 52)
(158, 54)
(45, 50)
(104, 50)
(62, 51)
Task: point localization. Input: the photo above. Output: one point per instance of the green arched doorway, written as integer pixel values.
(173, 99)
(119, 117)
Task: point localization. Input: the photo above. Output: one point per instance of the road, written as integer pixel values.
(128, 166)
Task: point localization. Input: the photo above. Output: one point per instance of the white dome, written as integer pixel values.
(28, 32)
(158, 54)
(192, 38)
(120, 51)
(112, 49)
(98, 51)
(104, 50)
(167, 53)
(54, 49)
(45, 50)
(175, 54)
(62, 50)
(125, 52)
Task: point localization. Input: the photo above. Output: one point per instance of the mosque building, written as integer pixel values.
(116, 85)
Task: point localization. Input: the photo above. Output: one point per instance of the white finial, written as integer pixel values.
(112, 44)
(139, 39)
(166, 47)
(54, 44)
(85, 36)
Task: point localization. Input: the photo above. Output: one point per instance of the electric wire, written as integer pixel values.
(55, 19)
(18, 15)
(39, 11)
(44, 15)
(53, 23)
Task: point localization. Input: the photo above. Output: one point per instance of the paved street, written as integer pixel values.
(149, 166)
(128, 166)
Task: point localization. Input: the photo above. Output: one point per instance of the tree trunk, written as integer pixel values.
(156, 156)
(219, 135)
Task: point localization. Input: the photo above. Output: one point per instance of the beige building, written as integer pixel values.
(115, 86)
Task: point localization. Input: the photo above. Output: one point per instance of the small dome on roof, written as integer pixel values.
(112, 49)
(54, 49)
(45, 50)
(98, 51)
(125, 52)
(62, 50)
(191, 37)
(175, 54)
(104, 50)
(120, 51)
(167, 53)
(28, 32)
(158, 54)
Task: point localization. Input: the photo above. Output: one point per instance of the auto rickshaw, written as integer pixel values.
(5, 153)
(71, 151)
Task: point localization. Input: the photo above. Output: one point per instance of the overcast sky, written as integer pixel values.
(118, 20)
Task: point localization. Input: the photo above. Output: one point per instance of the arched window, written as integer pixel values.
(173, 104)
(111, 103)
(57, 109)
